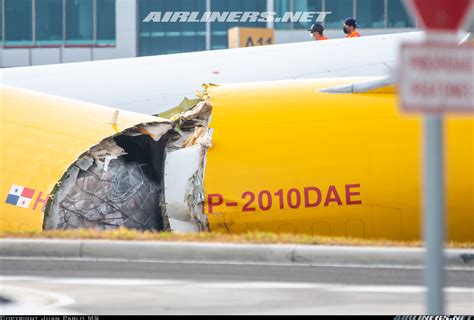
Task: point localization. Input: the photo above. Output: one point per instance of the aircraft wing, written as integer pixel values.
(152, 85)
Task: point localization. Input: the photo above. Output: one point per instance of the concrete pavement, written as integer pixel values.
(97, 286)
(132, 277)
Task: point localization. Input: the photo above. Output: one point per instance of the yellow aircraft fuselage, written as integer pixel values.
(285, 158)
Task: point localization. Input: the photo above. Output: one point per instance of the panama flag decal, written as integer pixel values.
(20, 196)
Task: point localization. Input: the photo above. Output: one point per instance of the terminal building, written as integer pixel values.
(38, 32)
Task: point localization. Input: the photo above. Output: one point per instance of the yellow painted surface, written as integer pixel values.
(275, 139)
(40, 137)
(239, 37)
(270, 140)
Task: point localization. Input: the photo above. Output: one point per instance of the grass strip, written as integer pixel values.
(208, 237)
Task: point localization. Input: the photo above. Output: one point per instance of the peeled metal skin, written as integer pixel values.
(122, 196)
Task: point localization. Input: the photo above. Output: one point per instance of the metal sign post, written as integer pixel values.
(436, 77)
(208, 27)
(433, 213)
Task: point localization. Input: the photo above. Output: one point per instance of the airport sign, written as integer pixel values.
(445, 15)
(437, 77)
(239, 37)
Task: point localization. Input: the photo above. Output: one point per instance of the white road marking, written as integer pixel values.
(58, 300)
(252, 285)
(395, 289)
(258, 285)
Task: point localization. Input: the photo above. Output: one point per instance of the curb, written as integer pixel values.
(220, 252)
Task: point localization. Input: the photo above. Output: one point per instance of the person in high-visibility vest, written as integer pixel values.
(350, 26)
(317, 31)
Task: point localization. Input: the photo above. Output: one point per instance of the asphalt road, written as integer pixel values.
(124, 287)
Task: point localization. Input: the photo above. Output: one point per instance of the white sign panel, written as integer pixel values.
(437, 77)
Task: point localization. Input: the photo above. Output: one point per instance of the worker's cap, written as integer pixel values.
(316, 28)
(350, 22)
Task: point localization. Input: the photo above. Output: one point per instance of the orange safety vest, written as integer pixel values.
(324, 38)
(354, 34)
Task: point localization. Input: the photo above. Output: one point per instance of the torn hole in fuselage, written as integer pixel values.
(122, 182)
(117, 183)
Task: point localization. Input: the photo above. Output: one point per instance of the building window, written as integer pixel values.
(370, 13)
(170, 37)
(58, 22)
(295, 6)
(282, 6)
(49, 22)
(18, 22)
(311, 6)
(173, 37)
(105, 22)
(1, 21)
(79, 22)
(398, 16)
(219, 29)
(340, 10)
